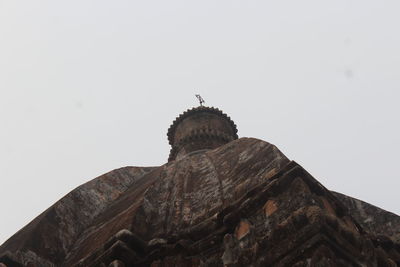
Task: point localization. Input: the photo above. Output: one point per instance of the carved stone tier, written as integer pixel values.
(200, 128)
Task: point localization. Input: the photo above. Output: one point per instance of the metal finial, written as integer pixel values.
(201, 100)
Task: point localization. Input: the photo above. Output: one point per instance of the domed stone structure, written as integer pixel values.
(200, 128)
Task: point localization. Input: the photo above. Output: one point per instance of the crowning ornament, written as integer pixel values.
(201, 100)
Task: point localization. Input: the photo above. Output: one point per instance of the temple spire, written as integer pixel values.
(198, 129)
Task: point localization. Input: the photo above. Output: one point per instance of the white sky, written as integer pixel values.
(90, 86)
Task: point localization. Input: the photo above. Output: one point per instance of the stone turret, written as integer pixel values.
(200, 128)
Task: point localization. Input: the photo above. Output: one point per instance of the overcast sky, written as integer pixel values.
(90, 86)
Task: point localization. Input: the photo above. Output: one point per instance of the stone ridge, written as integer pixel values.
(374, 220)
(189, 112)
(50, 236)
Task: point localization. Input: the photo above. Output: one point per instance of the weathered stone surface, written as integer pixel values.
(373, 219)
(241, 204)
(50, 237)
(270, 207)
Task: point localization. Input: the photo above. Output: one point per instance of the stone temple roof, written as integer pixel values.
(243, 203)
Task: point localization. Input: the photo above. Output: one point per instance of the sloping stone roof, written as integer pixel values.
(373, 219)
(241, 204)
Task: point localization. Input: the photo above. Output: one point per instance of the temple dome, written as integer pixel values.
(200, 128)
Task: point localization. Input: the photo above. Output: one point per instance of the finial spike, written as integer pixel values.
(201, 100)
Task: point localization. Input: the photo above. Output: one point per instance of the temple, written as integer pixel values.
(220, 200)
